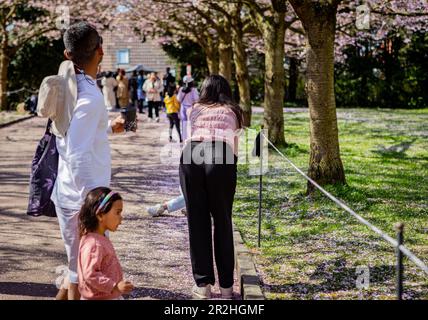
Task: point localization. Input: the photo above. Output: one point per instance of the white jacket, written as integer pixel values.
(157, 85)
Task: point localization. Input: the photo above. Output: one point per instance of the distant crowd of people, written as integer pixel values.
(148, 91)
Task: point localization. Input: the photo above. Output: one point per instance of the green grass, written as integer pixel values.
(310, 247)
(9, 116)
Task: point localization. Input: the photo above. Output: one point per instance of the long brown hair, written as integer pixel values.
(216, 90)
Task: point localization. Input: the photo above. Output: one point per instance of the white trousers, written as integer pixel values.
(69, 225)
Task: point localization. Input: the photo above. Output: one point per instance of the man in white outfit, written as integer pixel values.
(84, 152)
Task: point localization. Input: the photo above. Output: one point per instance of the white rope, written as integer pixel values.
(8, 93)
(392, 241)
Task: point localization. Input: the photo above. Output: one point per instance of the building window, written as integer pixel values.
(122, 56)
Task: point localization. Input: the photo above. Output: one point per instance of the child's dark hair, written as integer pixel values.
(171, 91)
(88, 221)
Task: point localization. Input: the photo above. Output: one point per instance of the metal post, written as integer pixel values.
(399, 227)
(260, 188)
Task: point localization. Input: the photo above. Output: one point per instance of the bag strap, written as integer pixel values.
(184, 97)
(48, 126)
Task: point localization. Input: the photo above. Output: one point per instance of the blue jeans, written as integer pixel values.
(176, 204)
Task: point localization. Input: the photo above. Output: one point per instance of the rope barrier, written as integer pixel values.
(8, 93)
(385, 236)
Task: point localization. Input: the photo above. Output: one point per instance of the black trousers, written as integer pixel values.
(209, 190)
(174, 121)
(153, 105)
(140, 105)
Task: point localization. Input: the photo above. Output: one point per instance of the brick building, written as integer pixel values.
(123, 49)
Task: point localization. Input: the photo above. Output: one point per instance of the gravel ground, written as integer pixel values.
(153, 251)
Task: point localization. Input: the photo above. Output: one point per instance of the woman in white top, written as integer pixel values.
(109, 83)
(187, 96)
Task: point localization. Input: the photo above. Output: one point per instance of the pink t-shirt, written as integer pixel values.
(98, 268)
(214, 123)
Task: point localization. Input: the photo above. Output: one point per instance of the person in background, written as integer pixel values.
(153, 88)
(187, 96)
(168, 80)
(133, 87)
(122, 89)
(31, 104)
(115, 75)
(140, 93)
(172, 205)
(162, 93)
(100, 76)
(109, 84)
(172, 108)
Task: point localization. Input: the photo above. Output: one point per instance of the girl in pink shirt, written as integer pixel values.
(99, 270)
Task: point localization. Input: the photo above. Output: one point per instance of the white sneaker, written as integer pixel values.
(201, 292)
(157, 119)
(156, 210)
(226, 293)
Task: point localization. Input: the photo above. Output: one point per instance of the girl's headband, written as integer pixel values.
(105, 201)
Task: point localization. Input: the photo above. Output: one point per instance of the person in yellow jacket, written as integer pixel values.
(172, 109)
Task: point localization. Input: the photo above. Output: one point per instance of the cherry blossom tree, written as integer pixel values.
(216, 27)
(233, 24)
(319, 19)
(270, 19)
(375, 20)
(24, 21)
(173, 21)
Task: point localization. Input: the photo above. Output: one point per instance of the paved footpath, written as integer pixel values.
(153, 251)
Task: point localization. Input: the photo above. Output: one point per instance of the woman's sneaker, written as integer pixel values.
(201, 292)
(226, 293)
(156, 211)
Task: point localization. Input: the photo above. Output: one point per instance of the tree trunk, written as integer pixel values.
(212, 62)
(4, 64)
(293, 77)
(325, 164)
(242, 74)
(211, 55)
(226, 52)
(275, 79)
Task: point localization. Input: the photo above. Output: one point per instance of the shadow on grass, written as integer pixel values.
(397, 151)
(335, 276)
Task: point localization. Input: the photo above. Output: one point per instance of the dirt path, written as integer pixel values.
(153, 251)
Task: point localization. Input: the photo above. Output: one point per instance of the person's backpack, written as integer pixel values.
(44, 170)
